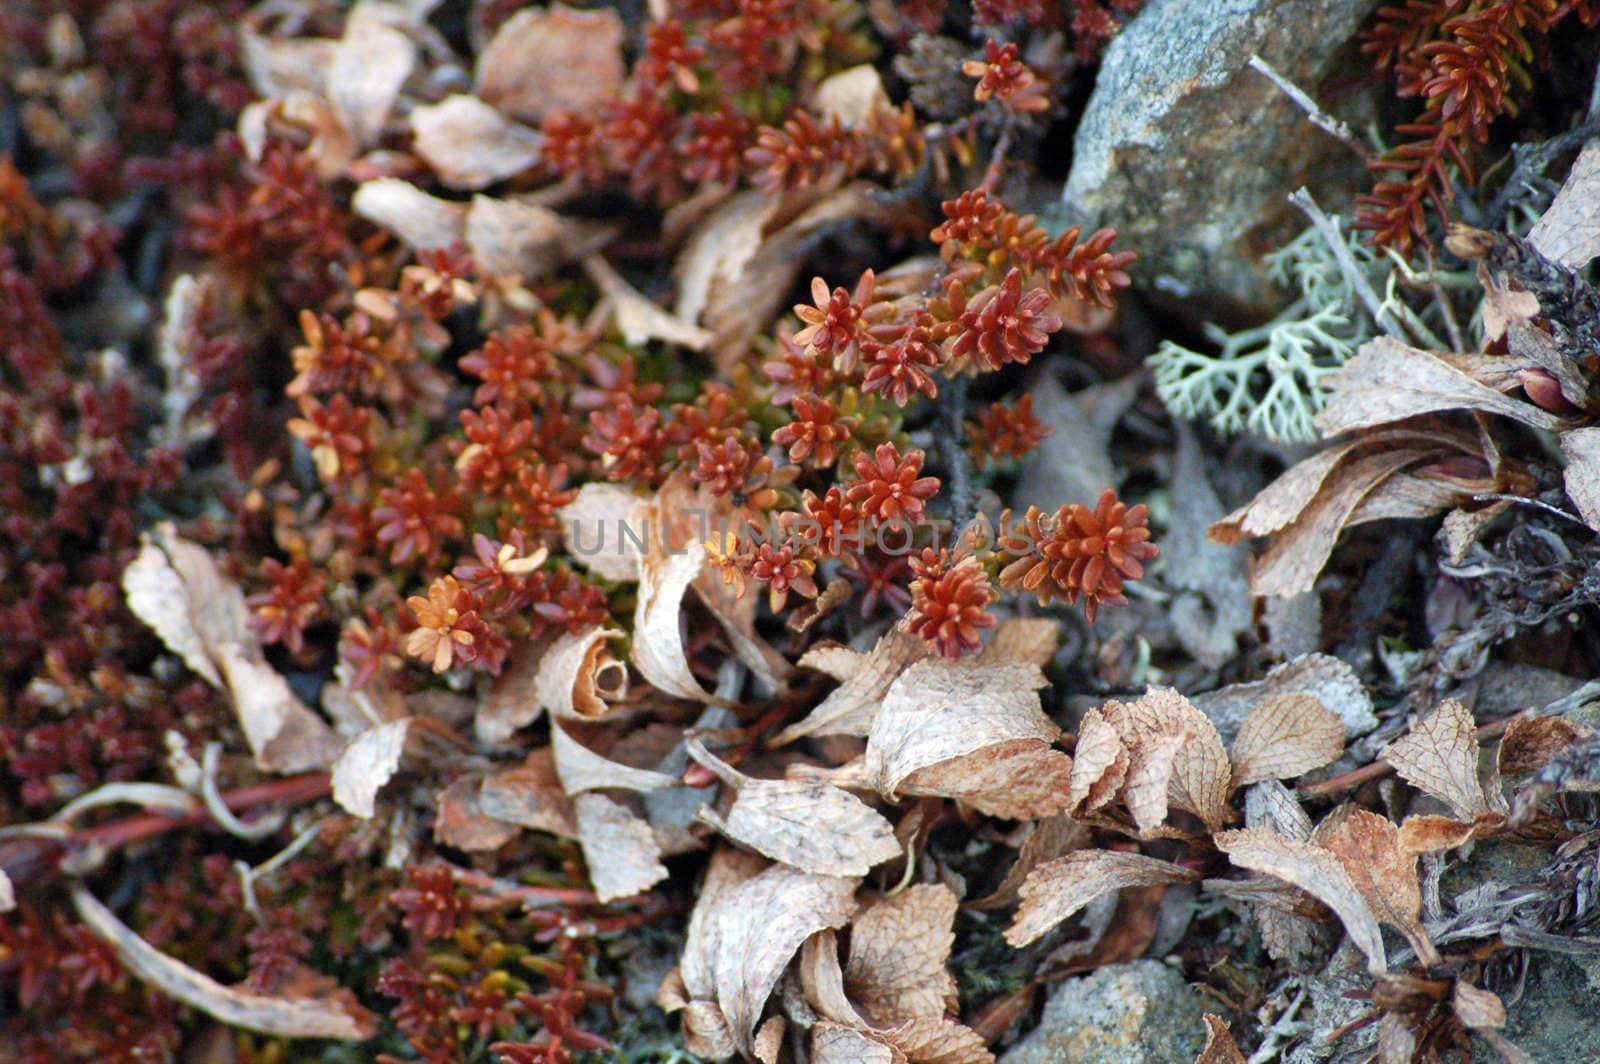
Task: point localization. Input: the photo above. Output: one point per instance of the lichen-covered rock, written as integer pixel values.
(1554, 1017)
(1139, 1013)
(1189, 153)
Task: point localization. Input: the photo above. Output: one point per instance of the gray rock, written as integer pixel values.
(1139, 1013)
(1189, 153)
(1554, 1018)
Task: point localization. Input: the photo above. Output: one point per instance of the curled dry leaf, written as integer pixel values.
(592, 530)
(822, 980)
(1020, 779)
(369, 65)
(1171, 741)
(8, 893)
(421, 220)
(1057, 889)
(368, 763)
(658, 651)
(938, 1040)
(1531, 742)
(581, 769)
(277, 65)
(551, 59)
(1477, 1008)
(938, 710)
(1220, 1048)
(1383, 872)
(899, 953)
(1099, 766)
(640, 320)
(727, 869)
(806, 824)
(1390, 381)
(1569, 231)
(1047, 839)
(508, 238)
(1316, 871)
(769, 1040)
(1331, 681)
(1440, 757)
(461, 822)
(1285, 736)
(1146, 791)
(469, 144)
(513, 701)
(864, 679)
(321, 1015)
(578, 674)
(835, 1043)
(618, 846)
(1279, 504)
(1032, 640)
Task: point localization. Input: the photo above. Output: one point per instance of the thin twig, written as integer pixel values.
(1319, 118)
(1452, 327)
(219, 810)
(1347, 263)
(1380, 768)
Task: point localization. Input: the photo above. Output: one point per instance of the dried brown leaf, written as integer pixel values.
(1582, 475)
(1028, 639)
(658, 651)
(1333, 682)
(1057, 889)
(366, 764)
(769, 1040)
(1100, 765)
(552, 59)
(1530, 742)
(1194, 769)
(1569, 231)
(1021, 779)
(849, 709)
(421, 220)
(938, 1040)
(899, 952)
(278, 65)
(1431, 834)
(618, 846)
(1477, 1008)
(461, 823)
(1315, 871)
(1390, 381)
(513, 701)
(592, 527)
(575, 670)
(822, 980)
(1220, 1048)
(938, 710)
(369, 65)
(1279, 504)
(325, 1015)
(640, 320)
(1047, 839)
(530, 796)
(284, 735)
(1440, 757)
(469, 144)
(1285, 736)
(581, 769)
(1269, 804)
(508, 238)
(728, 868)
(1386, 875)
(834, 1043)
(173, 586)
(806, 824)
(852, 96)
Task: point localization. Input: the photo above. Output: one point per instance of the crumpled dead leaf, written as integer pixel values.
(1316, 871)
(1532, 741)
(849, 709)
(1569, 230)
(551, 59)
(1286, 736)
(370, 64)
(1386, 876)
(1020, 779)
(658, 651)
(1328, 679)
(806, 824)
(618, 846)
(425, 222)
(530, 796)
(461, 822)
(511, 238)
(1157, 729)
(581, 769)
(578, 677)
(1582, 474)
(640, 320)
(1057, 889)
(836, 1043)
(899, 952)
(174, 587)
(1477, 1008)
(1220, 1048)
(334, 1015)
(1100, 765)
(366, 764)
(469, 144)
(1440, 757)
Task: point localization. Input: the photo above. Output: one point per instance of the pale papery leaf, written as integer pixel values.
(1269, 804)
(899, 955)
(726, 239)
(822, 980)
(1286, 736)
(592, 530)
(513, 700)
(658, 651)
(1100, 764)
(638, 319)
(1530, 742)
(303, 116)
(552, 59)
(757, 929)
(850, 708)
(938, 1040)
(1440, 757)
(460, 822)
(420, 220)
(8, 893)
(1315, 871)
(853, 96)
(769, 1040)
(366, 764)
(1503, 308)
(706, 1033)
(581, 769)
(1582, 475)
(530, 796)
(1148, 786)
(1020, 779)
(1196, 779)
(1057, 889)
(1569, 231)
(618, 846)
(1427, 833)
(1280, 504)
(1369, 847)
(1047, 839)
(728, 868)
(334, 1015)
(1390, 381)
(1477, 1008)
(511, 239)
(806, 824)
(575, 669)
(1220, 1048)
(1333, 682)
(284, 735)
(1028, 639)
(1397, 1042)
(937, 710)
(276, 65)
(469, 144)
(369, 65)
(835, 1043)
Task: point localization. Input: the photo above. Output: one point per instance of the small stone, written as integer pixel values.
(1139, 1013)
(1190, 154)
